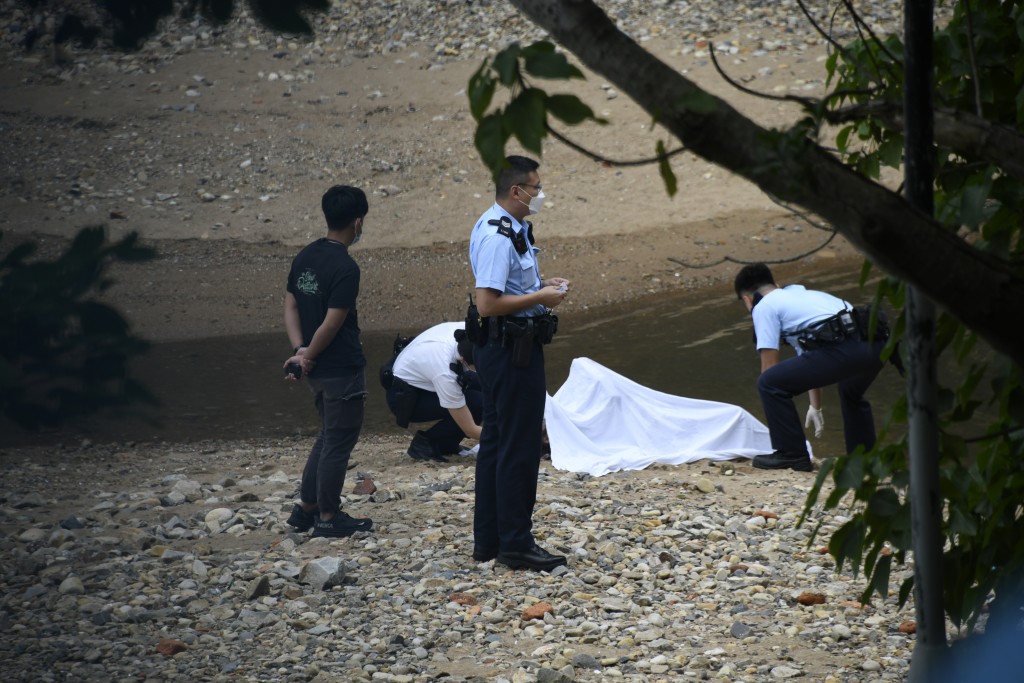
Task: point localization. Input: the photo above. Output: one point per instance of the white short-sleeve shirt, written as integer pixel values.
(426, 363)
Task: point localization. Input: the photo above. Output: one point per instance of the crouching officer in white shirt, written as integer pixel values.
(433, 379)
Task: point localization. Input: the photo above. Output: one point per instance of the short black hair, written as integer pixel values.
(342, 204)
(465, 346)
(751, 278)
(517, 170)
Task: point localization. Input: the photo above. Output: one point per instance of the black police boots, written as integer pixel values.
(422, 448)
(536, 558)
(781, 460)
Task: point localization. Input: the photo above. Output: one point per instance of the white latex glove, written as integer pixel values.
(814, 417)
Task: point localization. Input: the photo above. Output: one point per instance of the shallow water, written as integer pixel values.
(693, 344)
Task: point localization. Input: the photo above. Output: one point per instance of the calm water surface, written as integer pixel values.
(696, 345)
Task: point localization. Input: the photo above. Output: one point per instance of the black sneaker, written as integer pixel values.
(422, 448)
(300, 519)
(341, 525)
(780, 460)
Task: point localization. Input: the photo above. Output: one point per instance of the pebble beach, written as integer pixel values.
(170, 561)
(160, 562)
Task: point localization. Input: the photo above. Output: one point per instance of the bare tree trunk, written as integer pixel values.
(984, 293)
(922, 377)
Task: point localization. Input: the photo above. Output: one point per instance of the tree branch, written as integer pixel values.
(741, 262)
(965, 133)
(605, 160)
(985, 294)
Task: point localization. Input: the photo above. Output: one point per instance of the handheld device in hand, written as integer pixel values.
(294, 369)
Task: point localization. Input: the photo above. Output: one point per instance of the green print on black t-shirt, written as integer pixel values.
(307, 283)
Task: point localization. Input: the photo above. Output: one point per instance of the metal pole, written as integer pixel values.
(922, 392)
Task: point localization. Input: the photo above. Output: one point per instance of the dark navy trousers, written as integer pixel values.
(510, 447)
(852, 365)
(446, 434)
(340, 402)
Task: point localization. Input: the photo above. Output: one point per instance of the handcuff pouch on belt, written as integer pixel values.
(405, 401)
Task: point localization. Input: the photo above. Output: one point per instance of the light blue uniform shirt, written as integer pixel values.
(497, 265)
(786, 311)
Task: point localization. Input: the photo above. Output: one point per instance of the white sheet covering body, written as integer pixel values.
(600, 422)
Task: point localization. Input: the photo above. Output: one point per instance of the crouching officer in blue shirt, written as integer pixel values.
(832, 345)
(511, 323)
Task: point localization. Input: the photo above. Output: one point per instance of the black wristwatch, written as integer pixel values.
(295, 349)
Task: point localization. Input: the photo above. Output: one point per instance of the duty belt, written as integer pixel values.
(521, 332)
(509, 328)
(846, 324)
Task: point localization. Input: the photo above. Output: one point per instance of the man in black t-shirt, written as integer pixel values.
(320, 317)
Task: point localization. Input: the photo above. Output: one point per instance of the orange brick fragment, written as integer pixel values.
(766, 514)
(462, 598)
(811, 599)
(364, 487)
(908, 627)
(734, 567)
(169, 647)
(537, 611)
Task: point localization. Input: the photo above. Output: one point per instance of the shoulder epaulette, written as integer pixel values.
(504, 225)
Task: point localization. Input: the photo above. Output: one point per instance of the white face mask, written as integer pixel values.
(536, 203)
(359, 233)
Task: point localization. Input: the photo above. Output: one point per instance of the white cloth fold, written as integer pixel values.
(600, 422)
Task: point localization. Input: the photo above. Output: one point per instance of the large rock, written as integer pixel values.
(323, 573)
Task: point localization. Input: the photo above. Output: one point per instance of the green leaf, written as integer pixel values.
(506, 64)
(843, 138)
(830, 66)
(699, 102)
(869, 166)
(880, 576)
(481, 91)
(847, 543)
(849, 473)
(819, 481)
(884, 503)
(526, 118)
(569, 109)
(541, 47)
(905, 588)
(960, 523)
(972, 204)
(665, 170)
(549, 65)
(890, 152)
(490, 140)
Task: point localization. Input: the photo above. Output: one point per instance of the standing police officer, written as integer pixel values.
(830, 339)
(514, 305)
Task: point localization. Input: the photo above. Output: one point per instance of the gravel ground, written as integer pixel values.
(172, 562)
